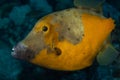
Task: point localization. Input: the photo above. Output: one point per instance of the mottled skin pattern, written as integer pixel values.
(69, 28)
(71, 41)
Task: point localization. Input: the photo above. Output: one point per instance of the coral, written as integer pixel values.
(18, 14)
(104, 73)
(114, 3)
(63, 4)
(4, 22)
(41, 5)
(9, 67)
(110, 11)
(5, 9)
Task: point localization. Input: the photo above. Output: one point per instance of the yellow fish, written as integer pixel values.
(67, 40)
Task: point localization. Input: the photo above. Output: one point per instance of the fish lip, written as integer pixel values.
(16, 50)
(21, 51)
(14, 53)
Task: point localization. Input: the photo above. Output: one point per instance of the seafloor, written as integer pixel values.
(17, 18)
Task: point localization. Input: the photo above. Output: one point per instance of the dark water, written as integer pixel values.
(17, 18)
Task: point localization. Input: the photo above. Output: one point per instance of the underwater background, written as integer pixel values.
(17, 18)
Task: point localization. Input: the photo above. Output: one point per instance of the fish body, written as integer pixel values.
(65, 40)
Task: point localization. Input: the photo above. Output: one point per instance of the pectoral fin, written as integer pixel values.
(107, 55)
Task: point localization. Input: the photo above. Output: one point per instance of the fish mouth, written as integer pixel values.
(13, 53)
(21, 51)
(19, 48)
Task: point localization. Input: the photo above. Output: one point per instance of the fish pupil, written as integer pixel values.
(45, 28)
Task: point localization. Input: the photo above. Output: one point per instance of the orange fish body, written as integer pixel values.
(65, 40)
(80, 55)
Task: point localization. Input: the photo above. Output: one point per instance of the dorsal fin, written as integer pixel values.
(89, 4)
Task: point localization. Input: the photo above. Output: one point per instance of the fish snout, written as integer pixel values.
(21, 51)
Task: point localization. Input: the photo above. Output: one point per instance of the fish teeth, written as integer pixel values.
(13, 53)
(13, 49)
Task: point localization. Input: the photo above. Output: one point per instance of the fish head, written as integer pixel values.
(42, 36)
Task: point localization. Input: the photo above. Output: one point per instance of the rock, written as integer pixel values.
(104, 73)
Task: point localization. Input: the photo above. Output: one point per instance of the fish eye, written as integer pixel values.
(44, 28)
